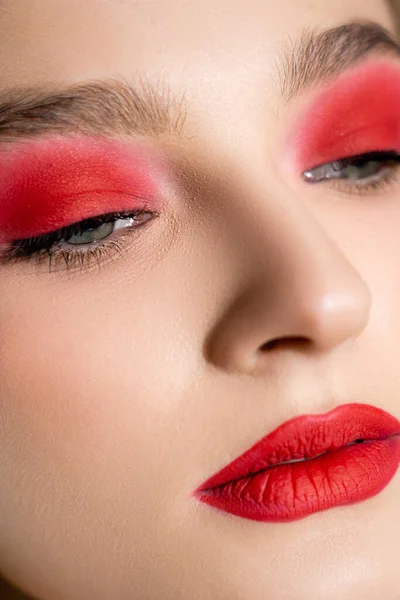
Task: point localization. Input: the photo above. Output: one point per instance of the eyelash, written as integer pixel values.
(47, 246)
(388, 162)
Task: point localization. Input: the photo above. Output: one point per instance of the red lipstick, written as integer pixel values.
(354, 114)
(309, 464)
(52, 183)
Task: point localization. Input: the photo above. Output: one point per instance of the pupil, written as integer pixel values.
(92, 234)
(362, 169)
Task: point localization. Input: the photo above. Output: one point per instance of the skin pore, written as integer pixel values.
(123, 387)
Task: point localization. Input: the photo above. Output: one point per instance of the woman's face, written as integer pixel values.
(131, 372)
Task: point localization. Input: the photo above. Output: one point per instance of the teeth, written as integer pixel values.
(295, 460)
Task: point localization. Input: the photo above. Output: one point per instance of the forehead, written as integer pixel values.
(220, 54)
(195, 40)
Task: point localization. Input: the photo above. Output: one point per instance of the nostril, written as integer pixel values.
(269, 345)
(283, 341)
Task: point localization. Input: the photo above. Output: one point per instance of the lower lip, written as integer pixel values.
(293, 491)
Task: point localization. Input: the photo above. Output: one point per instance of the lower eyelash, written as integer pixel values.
(70, 258)
(74, 259)
(97, 256)
(358, 188)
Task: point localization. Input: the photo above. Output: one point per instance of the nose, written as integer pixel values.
(300, 292)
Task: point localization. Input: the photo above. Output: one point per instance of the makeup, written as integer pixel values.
(309, 464)
(50, 183)
(356, 113)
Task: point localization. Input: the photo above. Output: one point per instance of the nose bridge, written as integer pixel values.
(301, 251)
(284, 238)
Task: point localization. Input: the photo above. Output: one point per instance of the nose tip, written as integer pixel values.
(316, 301)
(330, 318)
(244, 344)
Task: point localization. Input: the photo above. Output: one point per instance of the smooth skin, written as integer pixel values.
(122, 389)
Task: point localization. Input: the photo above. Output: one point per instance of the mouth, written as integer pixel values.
(309, 464)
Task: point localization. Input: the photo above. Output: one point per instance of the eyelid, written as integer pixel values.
(353, 114)
(50, 183)
(68, 212)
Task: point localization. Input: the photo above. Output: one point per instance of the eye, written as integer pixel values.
(362, 169)
(93, 234)
(100, 228)
(80, 243)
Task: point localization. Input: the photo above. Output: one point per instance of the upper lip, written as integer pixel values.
(306, 437)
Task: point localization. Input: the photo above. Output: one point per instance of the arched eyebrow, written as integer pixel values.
(121, 107)
(315, 56)
(110, 107)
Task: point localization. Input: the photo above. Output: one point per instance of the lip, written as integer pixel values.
(309, 464)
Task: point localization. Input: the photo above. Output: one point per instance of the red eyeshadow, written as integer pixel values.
(54, 182)
(358, 112)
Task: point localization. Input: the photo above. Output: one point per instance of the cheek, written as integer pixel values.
(84, 422)
(82, 407)
(92, 405)
(88, 378)
(72, 370)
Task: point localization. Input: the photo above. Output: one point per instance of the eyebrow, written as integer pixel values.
(316, 56)
(111, 107)
(121, 107)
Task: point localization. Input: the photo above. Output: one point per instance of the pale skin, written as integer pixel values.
(124, 388)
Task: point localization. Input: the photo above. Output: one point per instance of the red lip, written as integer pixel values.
(332, 469)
